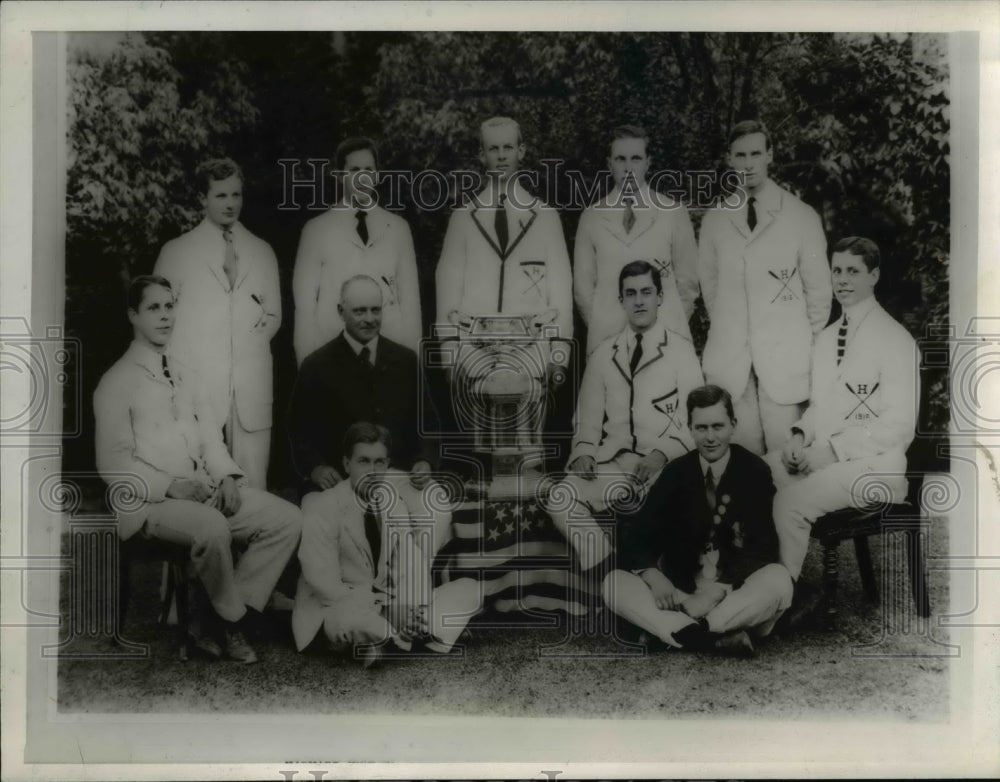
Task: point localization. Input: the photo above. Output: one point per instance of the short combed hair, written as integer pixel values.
(215, 170)
(637, 269)
(629, 131)
(356, 278)
(858, 245)
(745, 128)
(499, 122)
(354, 144)
(137, 288)
(365, 432)
(709, 396)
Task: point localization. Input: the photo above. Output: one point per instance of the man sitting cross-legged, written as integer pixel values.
(628, 416)
(366, 575)
(154, 424)
(700, 557)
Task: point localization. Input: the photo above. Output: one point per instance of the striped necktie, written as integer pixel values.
(841, 340)
(628, 220)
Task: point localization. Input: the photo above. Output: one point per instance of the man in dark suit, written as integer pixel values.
(699, 560)
(360, 375)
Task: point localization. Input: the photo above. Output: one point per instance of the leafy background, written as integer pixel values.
(860, 124)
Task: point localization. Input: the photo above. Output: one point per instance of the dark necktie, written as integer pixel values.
(710, 489)
(500, 224)
(362, 226)
(636, 354)
(841, 340)
(365, 354)
(166, 371)
(628, 220)
(751, 214)
(373, 532)
(229, 265)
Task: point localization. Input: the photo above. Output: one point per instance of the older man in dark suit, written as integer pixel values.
(361, 375)
(700, 558)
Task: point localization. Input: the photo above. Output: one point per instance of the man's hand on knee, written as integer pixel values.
(186, 489)
(666, 596)
(791, 454)
(703, 601)
(585, 467)
(817, 456)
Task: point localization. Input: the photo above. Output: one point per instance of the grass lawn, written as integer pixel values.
(859, 671)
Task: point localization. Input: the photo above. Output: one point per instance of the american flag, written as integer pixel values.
(522, 561)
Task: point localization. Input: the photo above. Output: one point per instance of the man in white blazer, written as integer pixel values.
(156, 432)
(504, 251)
(766, 285)
(849, 449)
(228, 309)
(633, 223)
(356, 236)
(366, 575)
(630, 414)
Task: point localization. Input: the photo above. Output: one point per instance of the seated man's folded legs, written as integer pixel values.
(271, 527)
(206, 531)
(756, 605)
(630, 598)
(572, 504)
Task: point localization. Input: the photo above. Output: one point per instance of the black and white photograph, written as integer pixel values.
(521, 390)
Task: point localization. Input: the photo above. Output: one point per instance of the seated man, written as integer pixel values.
(366, 574)
(361, 375)
(702, 551)
(628, 422)
(154, 425)
(862, 409)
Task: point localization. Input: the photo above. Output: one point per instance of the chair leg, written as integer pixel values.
(830, 576)
(178, 574)
(866, 568)
(918, 575)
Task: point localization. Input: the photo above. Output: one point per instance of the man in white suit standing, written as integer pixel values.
(228, 309)
(766, 285)
(850, 446)
(356, 236)
(629, 418)
(504, 251)
(632, 223)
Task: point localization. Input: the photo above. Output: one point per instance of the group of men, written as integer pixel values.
(708, 550)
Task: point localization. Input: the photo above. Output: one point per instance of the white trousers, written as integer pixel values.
(756, 605)
(250, 450)
(801, 499)
(761, 423)
(269, 526)
(574, 500)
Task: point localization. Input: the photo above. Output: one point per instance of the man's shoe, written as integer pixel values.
(804, 611)
(695, 637)
(735, 644)
(205, 644)
(371, 656)
(238, 649)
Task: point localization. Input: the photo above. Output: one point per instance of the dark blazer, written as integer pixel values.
(335, 389)
(672, 527)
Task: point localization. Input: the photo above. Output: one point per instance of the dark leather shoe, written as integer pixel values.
(735, 644)
(205, 644)
(804, 611)
(238, 649)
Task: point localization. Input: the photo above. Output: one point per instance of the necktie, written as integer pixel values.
(841, 340)
(628, 220)
(373, 532)
(710, 489)
(751, 214)
(166, 371)
(362, 226)
(229, 265)
(500, 224)
(365, 354)
(636, 354)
